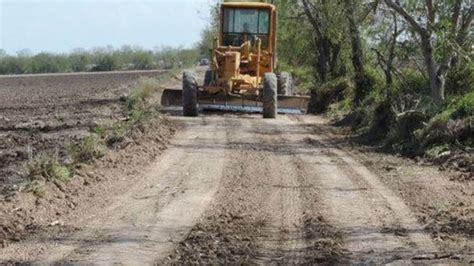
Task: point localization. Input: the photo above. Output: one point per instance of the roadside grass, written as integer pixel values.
(44, 167)
(88, 149)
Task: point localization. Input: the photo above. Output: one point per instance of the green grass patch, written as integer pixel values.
(87, 149)
(46, 167)
(145, 89)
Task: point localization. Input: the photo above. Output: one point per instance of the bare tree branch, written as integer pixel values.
(400, 10)
(314, 22)
(456, 18)
(431, 11)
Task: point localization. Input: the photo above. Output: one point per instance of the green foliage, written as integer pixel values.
(87, 149)
(303, 76)
(371, 85)
(413, 82)
(48, 63)
(144, 90)
(46, 167)
(328, 93)
(106, 62)
(142, 60)
(460, 80)
(79, 61)
(98, 59)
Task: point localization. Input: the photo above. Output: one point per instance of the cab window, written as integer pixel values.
(242, 24)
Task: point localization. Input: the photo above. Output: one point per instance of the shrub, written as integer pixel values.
(48, 63)
(412, 82)
(329, 93)
(303, 76)
(87, 149)
(144, 90)
(452, 124)
(142, 60)
(106, 62)
(372, 82)
(460, 80)
(45, 167)
(383, 117)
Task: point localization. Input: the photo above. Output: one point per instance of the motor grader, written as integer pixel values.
(242, 67)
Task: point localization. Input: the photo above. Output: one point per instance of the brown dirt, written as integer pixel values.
(240, 189)
(42, 113)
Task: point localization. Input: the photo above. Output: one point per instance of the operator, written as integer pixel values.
(239, 40)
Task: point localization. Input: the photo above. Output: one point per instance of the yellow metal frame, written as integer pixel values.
(239, 70)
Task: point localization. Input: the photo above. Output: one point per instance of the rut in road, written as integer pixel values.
(308, 200)
(143, 223)
(241, 189)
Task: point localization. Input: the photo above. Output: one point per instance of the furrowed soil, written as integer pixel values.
(239, 189)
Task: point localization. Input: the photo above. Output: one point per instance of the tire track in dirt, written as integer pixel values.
(265, 210)
(178, 187)
(377, 226)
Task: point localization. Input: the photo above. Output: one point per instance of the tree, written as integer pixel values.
(322, 15)
(386, 31)
(210, 31)
(357, 53)
(442, 29)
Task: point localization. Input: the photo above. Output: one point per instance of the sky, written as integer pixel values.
(59, 26)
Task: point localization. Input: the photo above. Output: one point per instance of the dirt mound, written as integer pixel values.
(222, 238)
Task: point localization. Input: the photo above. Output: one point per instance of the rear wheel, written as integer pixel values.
(270, 95)
(190, 107)
(285, 84)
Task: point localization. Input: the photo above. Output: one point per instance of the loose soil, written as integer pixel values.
(42, 113)
(235, 188)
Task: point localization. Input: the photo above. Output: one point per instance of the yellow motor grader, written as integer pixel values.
(242, 64)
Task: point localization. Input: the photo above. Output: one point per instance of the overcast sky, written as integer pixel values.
(62, 25)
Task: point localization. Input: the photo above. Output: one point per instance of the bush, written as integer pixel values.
(303, 76)
(372, 82)
(329, 93)
(106, 62)
(411, 82)
(382, 119)
(144, 90)
(403, 136)
(48, 63)
(460, 80)
(142, 60)
(454, 124)
(79, 62)
(87, 149)
(49, 168)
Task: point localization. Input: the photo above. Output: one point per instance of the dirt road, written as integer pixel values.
(237, 188)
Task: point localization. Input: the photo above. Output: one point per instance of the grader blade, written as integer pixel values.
(235, 103)
(171, 97)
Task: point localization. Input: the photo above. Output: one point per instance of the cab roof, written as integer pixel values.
(248, 5)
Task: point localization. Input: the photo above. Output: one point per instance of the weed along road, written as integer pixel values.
(239, 188)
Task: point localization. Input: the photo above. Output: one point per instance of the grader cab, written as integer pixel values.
(242, 67)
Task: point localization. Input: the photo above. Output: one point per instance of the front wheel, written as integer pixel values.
(190, 96)
(269, 95)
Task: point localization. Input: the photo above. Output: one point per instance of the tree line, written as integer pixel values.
(97, 59)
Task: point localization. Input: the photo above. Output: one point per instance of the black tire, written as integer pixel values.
(190, 96)
(208, 78)
(285, 84)
(269, 96)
